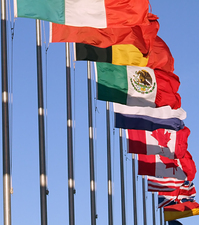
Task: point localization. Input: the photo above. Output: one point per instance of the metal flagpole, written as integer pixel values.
(134, 190)
(122, 180)
(91, 153)
(5, 119)
(42, 157)
(160, 216)
(153, 207)
(144, 200)
(110, 204)
(71, 190)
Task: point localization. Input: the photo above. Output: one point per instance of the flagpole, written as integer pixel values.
(144, 200)
(122, 180)
(42, 157)
(5, 119)
(91, 153)
(134, 190)
(71, 190)
(153, 207)
(160, 216)
(110, 204)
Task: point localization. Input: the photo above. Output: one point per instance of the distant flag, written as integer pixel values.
(140, 35)
(157, 165)
(174, 222)
(156, 184)
(159, 56)
(186, 192)
(90, 13)
(169, 143)
(181, 210)
(137, 86)
(148, 118)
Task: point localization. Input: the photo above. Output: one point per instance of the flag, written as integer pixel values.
(140, 35)
(157, 165)
(123, 54)
(90, 13)
(137, 86)
(148, 118)
(186, 192)
(174, 222)
(160, 56)
(169, 143)
(156, 184)
(181, 210)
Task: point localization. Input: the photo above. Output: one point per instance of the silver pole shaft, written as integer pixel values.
(5, 119)
(122, 180)
(160, 216)
(71, 190)
(42, 154)
(144, 200)
(134, 190)
(153, 207)
(110, 204)
(91, 149)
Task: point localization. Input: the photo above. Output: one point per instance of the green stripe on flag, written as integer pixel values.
(49, 10)
(112, 82)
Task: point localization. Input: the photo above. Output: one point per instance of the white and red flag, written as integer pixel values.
(186, 192)
(168, 143)
(156, 184)
(157, 165)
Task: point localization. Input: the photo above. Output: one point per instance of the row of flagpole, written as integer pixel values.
(43, 178)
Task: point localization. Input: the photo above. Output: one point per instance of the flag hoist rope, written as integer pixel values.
(46, 101)
(10, 87)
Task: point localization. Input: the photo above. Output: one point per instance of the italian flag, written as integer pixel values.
(90, 13)
(137, 86)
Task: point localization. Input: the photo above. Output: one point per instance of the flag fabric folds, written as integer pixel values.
(157, 165)
(148, 118)
(124, 54)
(160, 56)
(90, 13)
(169, 143)
(174, 222)
(156, 184)
(137, 86)
(186, 192)
(141, 35)
(181, 210)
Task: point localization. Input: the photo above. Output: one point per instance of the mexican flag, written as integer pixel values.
(137, 86)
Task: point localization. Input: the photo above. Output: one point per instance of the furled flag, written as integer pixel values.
(137, 86)
(169, 143)
(148, 118)
(186, 192)
(159, 56)
(140, 35)
(156, 184)
(157, 165)
(174, 222)
(181, 210)
(90, 13)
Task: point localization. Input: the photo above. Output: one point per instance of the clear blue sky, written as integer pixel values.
(179, 21)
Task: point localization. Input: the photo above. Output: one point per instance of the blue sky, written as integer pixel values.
(179, 29)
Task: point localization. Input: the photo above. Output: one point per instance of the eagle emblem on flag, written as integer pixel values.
(142, 82)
